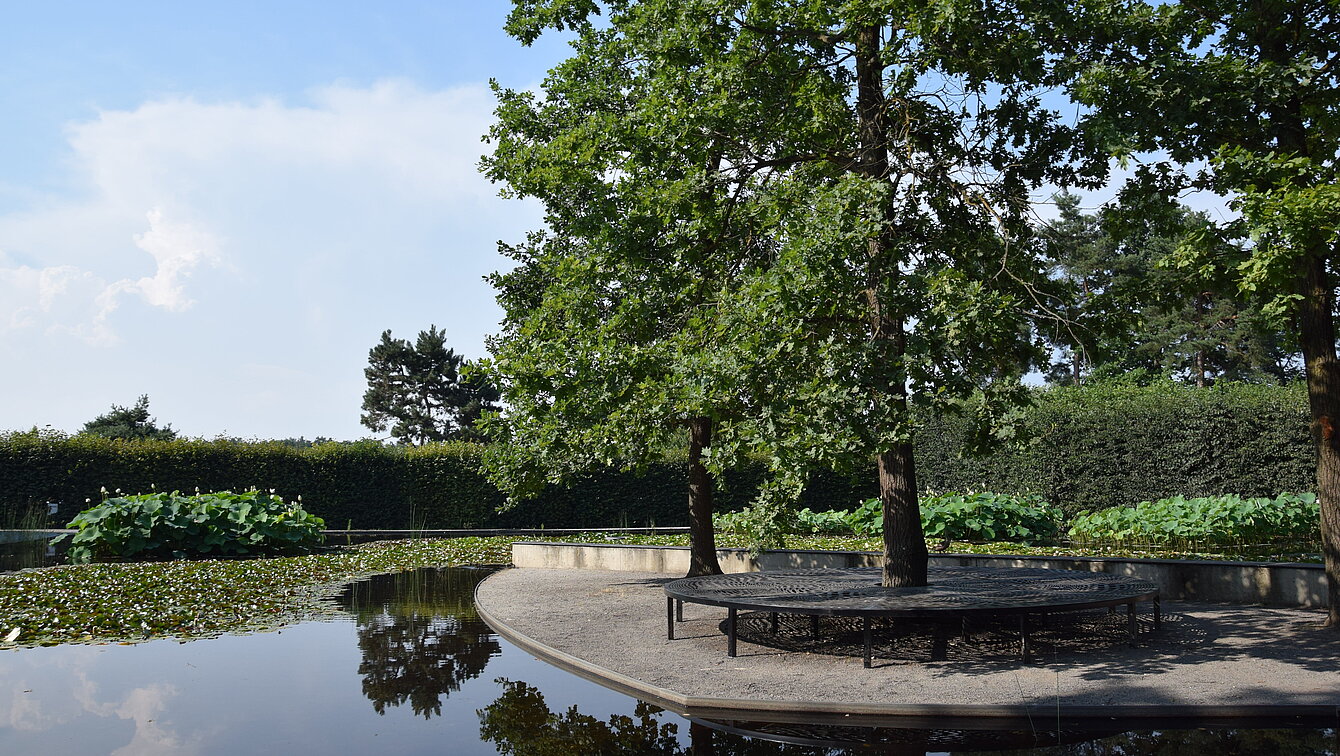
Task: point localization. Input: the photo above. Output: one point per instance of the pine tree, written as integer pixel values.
(131, 423)
(418, 391)
(1122, 311)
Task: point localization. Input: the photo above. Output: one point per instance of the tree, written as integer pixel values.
(130, 423)
(1243, 100)
(1121, 311)
(893, 147)
(418, 391)
(618, 328)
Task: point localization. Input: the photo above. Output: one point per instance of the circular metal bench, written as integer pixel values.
(952, 592)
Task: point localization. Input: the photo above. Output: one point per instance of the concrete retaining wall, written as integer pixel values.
(1286, 585)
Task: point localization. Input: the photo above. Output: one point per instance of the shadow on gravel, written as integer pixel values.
(1096, 640)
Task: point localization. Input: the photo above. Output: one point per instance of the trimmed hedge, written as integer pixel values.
(1089, 448)
(1097, 447)
(360, 485)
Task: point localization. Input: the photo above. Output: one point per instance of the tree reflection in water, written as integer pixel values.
(420, 636)
(520, 723)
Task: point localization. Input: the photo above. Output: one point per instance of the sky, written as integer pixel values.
(222, 206)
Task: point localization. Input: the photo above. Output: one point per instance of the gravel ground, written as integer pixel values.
(1205, 655)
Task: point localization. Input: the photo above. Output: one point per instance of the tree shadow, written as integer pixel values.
(1095, 642)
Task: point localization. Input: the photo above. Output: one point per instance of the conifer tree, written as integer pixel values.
(131, 423)
(418, 392)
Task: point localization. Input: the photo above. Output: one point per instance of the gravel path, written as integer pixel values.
(611, 625)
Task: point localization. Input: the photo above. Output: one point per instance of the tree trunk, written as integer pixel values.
(1316, 321)
(904, 543)
(1323, 391)
(702, 538)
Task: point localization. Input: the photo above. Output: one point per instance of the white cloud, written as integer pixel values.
(67, 300)
(250, 233)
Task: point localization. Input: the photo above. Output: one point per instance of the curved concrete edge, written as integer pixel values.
(910, 716)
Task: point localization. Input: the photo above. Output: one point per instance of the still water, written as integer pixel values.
(410, 668)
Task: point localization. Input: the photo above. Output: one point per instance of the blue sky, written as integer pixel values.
(222, 206)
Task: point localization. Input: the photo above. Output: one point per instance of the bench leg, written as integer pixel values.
(774, 623)
(669, 618)
(679, 611)
(1131, 627)
(814, 626)
(730, 632)
(865, 631)
(1158, 614)
(1023, 637)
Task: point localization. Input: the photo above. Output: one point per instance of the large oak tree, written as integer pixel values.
(890, 148)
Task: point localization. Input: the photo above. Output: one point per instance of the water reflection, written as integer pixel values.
(521, 723)
(419, 635)
(24, 549)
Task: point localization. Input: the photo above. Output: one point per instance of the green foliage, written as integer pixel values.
(750, 205)
(130, 423)
(989, 517)
(946, 516)
(172, 525)
(420, 392)
(1218, 520)
(358, 482)
(1120, 311)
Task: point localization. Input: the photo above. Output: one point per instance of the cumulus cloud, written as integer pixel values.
(66, 299)
(288, 233)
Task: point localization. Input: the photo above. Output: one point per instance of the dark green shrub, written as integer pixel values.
(173, 525)
(1210, 520)
(955, 516)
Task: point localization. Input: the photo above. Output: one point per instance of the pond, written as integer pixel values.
(410, 668)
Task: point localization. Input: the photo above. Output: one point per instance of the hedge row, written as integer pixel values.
(1089, 448)
(1097, 447)
(361, 485)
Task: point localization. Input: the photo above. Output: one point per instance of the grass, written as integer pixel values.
(136, 601)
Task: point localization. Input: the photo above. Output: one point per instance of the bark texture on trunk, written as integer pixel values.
(904, 544)
(702, 538)
(1317, 328)
(1316, 323)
